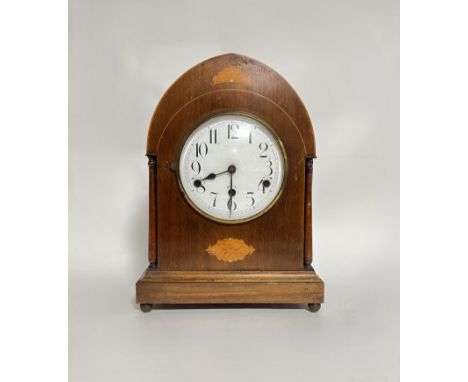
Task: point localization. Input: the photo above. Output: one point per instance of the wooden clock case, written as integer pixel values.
(278, 268)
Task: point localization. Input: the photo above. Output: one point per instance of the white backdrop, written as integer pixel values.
(342, 57)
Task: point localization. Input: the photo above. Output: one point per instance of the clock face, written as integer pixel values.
(232, 168)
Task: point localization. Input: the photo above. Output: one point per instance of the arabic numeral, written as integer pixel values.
(233, 129)
(215, 196)
(250, 198)
(270, 167)
(232, 205)
(263, 148)
(196, 167)
(201, 150)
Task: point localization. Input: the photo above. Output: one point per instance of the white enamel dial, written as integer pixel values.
(232, 168)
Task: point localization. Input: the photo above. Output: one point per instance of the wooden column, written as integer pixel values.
(152, 235)
(308, 211)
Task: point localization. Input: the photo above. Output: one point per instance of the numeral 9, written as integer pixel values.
(196, 167)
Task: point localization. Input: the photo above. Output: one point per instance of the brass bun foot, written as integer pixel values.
(314, 307)
(146, 307)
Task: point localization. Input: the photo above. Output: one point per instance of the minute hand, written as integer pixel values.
(231, 194)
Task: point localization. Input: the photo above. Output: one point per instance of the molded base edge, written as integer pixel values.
(224, 287)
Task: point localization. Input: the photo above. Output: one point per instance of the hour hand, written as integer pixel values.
(231, 169)
(212, 175)
(198, 182)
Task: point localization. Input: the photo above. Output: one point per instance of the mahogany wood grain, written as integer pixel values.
(308, 211)
(231, 276)
(234, 287)
(230, 72)
(184, 235)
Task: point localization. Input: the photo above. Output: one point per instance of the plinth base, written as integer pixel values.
(229, 287)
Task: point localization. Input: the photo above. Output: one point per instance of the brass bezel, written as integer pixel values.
(270, 205)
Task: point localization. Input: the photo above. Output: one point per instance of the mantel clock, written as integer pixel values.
(230, 150)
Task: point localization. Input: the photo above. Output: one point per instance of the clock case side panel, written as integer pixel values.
(308, 244)
(152, 212)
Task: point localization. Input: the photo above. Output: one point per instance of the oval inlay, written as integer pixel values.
(230, 250)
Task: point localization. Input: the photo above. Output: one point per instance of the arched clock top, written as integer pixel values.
(230, 76)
